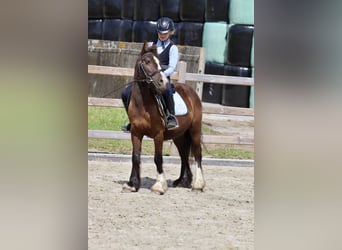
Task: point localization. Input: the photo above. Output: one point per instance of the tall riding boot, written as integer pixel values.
(171, 120)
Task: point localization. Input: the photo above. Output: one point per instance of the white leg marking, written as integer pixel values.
(198, 181)
(160, 186)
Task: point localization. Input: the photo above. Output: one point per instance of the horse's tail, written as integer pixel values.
(203, 145)
(191, 158)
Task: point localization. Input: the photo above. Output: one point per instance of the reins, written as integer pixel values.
(121, 87)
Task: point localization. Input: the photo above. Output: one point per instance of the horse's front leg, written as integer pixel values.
(160, 186)
(133, 184)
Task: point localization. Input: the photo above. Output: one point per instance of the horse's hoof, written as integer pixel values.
(158, 188)
(198, 186)
(161, 192)
(127, 188)
(181, 183)
(199, 190)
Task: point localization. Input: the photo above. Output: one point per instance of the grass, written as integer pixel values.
(227, 152)
(106, 118)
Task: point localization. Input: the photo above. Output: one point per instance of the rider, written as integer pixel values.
(168, 56)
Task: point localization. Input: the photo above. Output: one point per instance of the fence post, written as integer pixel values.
(181, 71)
(201, 66)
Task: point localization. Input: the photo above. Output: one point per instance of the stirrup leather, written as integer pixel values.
(164, 112)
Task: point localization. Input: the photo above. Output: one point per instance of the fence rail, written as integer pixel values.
(208, 108)
(210, 139)
(181, 76)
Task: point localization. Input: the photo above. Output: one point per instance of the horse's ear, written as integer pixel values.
(153, 49)
(145, 48)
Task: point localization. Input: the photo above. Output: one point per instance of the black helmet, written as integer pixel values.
(165, 25)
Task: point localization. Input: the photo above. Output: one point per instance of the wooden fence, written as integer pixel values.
(180, 76)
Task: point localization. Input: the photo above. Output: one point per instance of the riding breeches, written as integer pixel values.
(126, 95)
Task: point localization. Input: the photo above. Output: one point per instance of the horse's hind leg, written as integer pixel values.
(198, 181)
(183, 145)
(160, 186)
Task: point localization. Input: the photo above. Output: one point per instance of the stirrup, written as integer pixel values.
(174, 123)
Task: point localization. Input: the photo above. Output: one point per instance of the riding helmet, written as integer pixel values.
(165, 25)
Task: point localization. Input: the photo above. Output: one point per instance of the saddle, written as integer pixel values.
(180, 106)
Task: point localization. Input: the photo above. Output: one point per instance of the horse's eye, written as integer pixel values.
(147, 61)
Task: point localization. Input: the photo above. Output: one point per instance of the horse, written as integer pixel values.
(146, 120)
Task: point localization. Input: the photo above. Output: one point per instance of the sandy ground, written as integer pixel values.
(221, 217)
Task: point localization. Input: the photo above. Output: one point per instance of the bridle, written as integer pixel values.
(149, 77)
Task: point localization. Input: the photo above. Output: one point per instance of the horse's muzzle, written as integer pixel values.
(162, 81)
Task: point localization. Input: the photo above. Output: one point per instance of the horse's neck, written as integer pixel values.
(142, 96)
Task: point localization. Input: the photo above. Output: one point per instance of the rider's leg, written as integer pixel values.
(171, 120)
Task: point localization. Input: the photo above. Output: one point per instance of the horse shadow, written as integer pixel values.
(146, 182)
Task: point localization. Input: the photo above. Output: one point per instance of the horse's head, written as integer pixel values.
(148, 69)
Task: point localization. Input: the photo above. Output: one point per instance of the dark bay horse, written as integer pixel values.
(146, 119)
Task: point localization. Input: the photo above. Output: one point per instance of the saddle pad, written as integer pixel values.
(180, 106)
